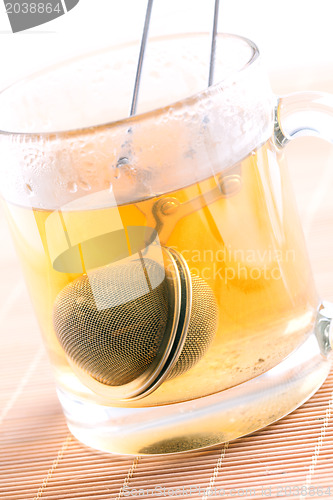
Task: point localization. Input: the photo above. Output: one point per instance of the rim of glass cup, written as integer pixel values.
(140, 116)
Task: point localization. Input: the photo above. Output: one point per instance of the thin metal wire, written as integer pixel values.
(213, 46)
(143, 48)
(141, 57)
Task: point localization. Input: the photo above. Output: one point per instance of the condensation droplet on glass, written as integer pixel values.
(29, 190)
(72, 187)
(84, 185)
(120, 163)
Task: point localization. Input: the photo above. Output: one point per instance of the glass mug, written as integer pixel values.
(163, 252)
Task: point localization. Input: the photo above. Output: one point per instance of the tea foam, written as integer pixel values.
(57, 140)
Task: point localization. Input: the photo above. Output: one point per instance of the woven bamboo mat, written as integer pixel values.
(40, 459)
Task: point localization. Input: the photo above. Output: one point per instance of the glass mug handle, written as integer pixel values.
(308, 114)
(304, 113)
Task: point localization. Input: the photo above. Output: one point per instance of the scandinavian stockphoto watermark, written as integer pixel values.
(237, 265)
(276, 491)
(25, 14)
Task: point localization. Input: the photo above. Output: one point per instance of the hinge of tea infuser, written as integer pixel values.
(163, 214)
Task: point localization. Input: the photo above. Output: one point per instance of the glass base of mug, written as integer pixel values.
(213, 419)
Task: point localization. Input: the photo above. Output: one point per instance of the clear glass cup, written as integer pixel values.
(163, 252)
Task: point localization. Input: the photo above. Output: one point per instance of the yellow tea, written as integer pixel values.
(237, 231)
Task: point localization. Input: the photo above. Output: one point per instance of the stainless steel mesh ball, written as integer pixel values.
(115, 345)
(201, 329)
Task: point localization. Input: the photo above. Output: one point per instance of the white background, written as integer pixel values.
(295, 37)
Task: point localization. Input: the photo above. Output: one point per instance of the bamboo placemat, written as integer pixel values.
(40, 459)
